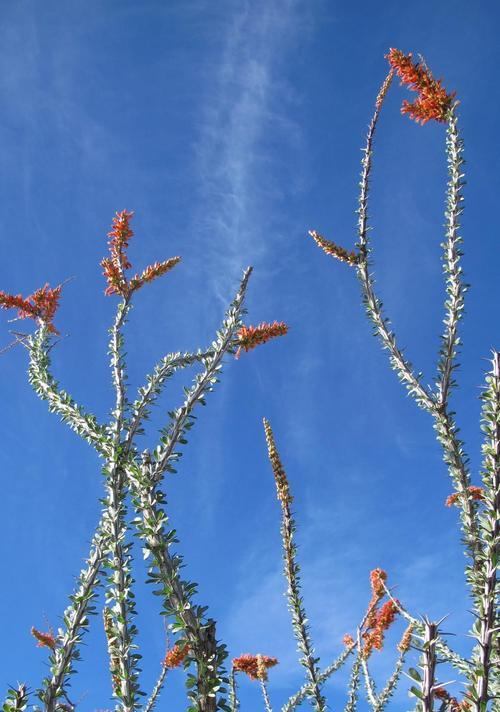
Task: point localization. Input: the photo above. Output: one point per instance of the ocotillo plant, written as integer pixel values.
(132, 477)
(135, 478)
(478, 505)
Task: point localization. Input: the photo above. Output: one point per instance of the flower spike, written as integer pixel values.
(175, 656)
(433, 102)
(251, 336)
(331, 248)
(40, 306)
(473, 492)
(45, 640)
(255, 666)
(114, 266)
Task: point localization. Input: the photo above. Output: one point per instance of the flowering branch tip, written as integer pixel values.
(40, 306)
(255, 666)
(251, 336)
(350, 258)
(432, 102)
(114, 266)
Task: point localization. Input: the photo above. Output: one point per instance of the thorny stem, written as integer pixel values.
(384, 696)
(60, 402)
(372, 303)
(213, 364)
(488, 617)
(75, 618)
(291, 570)
(148, 499)
(121, 642)
(447, 431)
(443, 649)
(153, 699)
(17, 699)
(369, 683)
(429, 663)
(234, 703)
(305, 690)
(455, 288)
(267, 702)
(163, 370)
(200, 635)
(354, 681)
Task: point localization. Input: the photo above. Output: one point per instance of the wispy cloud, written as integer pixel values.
(244, 114)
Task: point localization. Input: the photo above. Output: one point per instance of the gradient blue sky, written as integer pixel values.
(231, 128)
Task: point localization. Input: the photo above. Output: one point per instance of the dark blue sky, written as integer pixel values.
(231, 128)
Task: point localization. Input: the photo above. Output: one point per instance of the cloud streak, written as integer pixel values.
(245, 111)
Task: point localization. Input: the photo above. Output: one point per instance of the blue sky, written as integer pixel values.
(231, 128)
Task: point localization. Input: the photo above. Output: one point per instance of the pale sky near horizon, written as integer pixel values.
(231, 128)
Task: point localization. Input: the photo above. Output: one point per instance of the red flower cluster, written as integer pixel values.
(255, 666)
(453, 705)
(476, 493)
(175, 656)
(374, 637)
(114, 267)
(405, 642)
(348, 640)
(251, 336)
(45, 640)
(41, 305)
(377, 576)
(433, 102)
(377, 621)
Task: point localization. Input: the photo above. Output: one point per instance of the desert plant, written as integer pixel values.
(133, 478)
(478, 506)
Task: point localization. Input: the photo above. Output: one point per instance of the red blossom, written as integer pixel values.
(377, 577)
(114, 266)
(255, 666)
(452, 703)
(251, 336)
(474, 492)
(374, 636)
(41, 305)
(175, 656)
(377, 621)
(152, 272)
(45, 640)
(405, 642)
(119, 238)
(432, 102)
(348, 640)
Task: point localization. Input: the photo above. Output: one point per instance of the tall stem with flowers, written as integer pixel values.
(478, 505)
(134, 480)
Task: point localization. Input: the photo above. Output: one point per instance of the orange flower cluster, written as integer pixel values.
(351, 258)
(374, 637)
(348, 640)
(41, 305)
(45, 640)
(433, 102)
(251, 336)
(114, 267)
(175, 656)
(476, 493)
(453, 705)
(405, 642)
(255, 666)
(377, 621)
